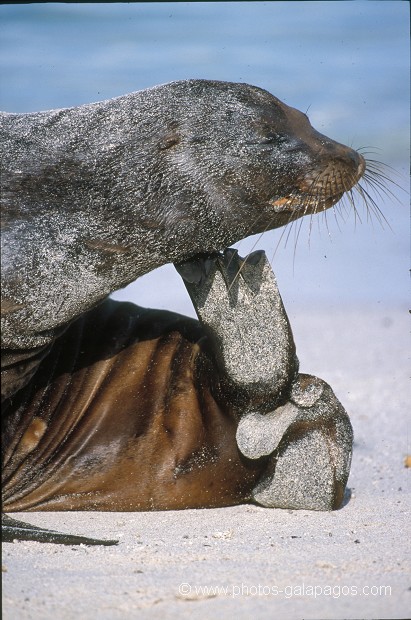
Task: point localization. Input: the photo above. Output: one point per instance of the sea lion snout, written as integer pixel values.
(320, 167)
(335, 173)
(330, 170)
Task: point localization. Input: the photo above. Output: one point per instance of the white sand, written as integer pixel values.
(260, 563)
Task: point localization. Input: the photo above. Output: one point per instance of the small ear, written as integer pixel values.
(168, 140)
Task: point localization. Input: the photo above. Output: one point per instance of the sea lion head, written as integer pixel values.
(257, 162)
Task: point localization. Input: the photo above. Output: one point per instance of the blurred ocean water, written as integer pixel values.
(347, 63)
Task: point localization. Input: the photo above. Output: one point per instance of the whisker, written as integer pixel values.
(371, 205)
(374, 186)
(245, 260)
(376, 178)
(310, 229)
(379, 188)
(249, 231)
(380, 172)
(287, 229)
(374, 150)
(296, 237)
(335, 212)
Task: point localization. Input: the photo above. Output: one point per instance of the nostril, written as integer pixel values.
(357, 160)
(361, 165)
(354, 157)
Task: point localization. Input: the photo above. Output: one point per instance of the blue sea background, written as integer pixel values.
(347, 63)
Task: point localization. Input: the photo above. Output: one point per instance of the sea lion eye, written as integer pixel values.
(268, 140)
(276, 138)
(167, 141)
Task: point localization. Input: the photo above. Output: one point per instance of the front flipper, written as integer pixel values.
(310, 443)
(238, 303)
(11, 530)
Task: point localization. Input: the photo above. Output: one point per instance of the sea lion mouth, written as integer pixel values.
(311, 203)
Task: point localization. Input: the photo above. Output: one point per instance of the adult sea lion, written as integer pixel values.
(113, 407)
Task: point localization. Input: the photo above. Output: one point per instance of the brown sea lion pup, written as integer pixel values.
(113, 407)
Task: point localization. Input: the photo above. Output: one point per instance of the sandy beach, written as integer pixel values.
(247, 560)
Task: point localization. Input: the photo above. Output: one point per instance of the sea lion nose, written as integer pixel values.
(357, 160)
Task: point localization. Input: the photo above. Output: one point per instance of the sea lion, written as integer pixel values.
(92, 198)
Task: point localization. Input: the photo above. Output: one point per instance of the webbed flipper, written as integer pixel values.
(12, 530)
